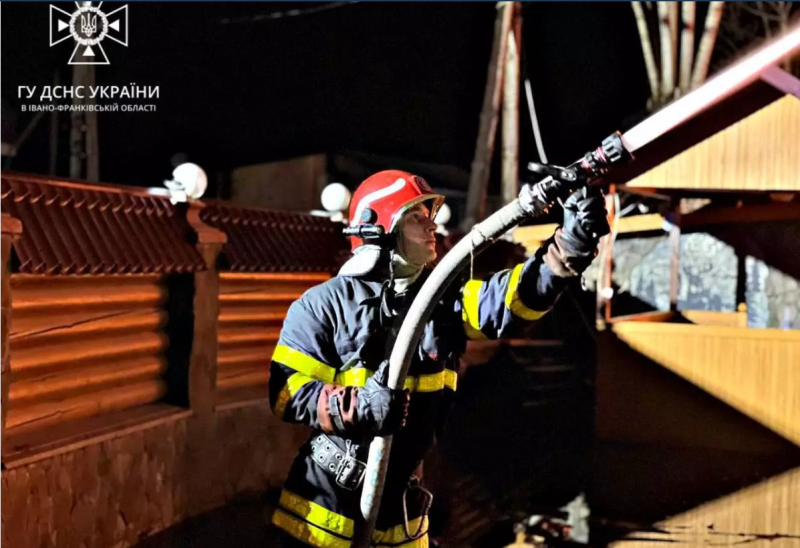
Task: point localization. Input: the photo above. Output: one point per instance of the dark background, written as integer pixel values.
(397, 80)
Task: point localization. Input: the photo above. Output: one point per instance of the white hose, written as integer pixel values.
(408, 338)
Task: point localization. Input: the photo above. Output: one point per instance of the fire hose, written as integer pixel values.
(535, 200)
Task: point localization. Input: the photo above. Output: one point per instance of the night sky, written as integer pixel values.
(401, 80)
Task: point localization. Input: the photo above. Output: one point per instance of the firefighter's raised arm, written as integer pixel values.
(492, 308)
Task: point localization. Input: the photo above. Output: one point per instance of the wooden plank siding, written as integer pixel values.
(758, 153)
(756, 371)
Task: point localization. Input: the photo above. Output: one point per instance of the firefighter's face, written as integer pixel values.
(417, 236)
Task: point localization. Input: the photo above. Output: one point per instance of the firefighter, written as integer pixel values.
(329, 368)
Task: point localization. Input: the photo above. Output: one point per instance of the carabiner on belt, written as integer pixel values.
(416, 485)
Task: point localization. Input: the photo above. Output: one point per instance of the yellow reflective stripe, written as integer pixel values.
(396, 536)
(423, 383)
(291, 387)
(316, 514)
(450, 379)
(320, 525)
(306, 532)
(303, 363)
(354, 377)
(513, 301)
(430, 383)
(469, 305)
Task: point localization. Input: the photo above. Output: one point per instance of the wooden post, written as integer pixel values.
(484, 146)
(687, 46)
(510, 171)
(707, 40)
(604, 277)
(667, 53)
(647, 51)
(674, 23)
(202, 383)
(11, 231)
(203, 359)
(674, 258)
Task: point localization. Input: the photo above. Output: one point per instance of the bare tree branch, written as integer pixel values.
(764, 18)
(761, 12)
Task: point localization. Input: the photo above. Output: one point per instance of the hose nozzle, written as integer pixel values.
(562, 181)
(611, 151)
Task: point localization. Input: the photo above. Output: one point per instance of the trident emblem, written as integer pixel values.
(88, 24)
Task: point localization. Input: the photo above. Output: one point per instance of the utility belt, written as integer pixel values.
(347, 470)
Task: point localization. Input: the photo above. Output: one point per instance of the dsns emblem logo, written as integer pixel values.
(88, 26)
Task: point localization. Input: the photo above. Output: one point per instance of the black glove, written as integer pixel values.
(585, 221)
(361, 412)
(574, 244)
(382, 411)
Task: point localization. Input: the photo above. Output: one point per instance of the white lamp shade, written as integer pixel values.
(192, 178)
(335, 197)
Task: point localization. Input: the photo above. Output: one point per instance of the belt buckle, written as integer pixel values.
(350, 474)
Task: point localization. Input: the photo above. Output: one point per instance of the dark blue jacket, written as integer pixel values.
(335, 334)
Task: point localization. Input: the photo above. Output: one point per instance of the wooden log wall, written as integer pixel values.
(134, 384)
(84, 345)
(252, 309)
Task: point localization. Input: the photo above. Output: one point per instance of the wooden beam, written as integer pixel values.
(487, 130)
(510, 162)
(714, 317)
(667, 51)
(707, 40)
(687, 46)
(658, 316)
(782, 80)
(647, 192)
(776, 211)
(647, 50)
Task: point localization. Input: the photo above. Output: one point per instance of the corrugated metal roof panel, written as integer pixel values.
(77, 228)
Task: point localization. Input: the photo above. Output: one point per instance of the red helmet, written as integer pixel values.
(383, 198)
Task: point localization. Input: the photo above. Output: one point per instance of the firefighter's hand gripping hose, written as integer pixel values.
(534, 200)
